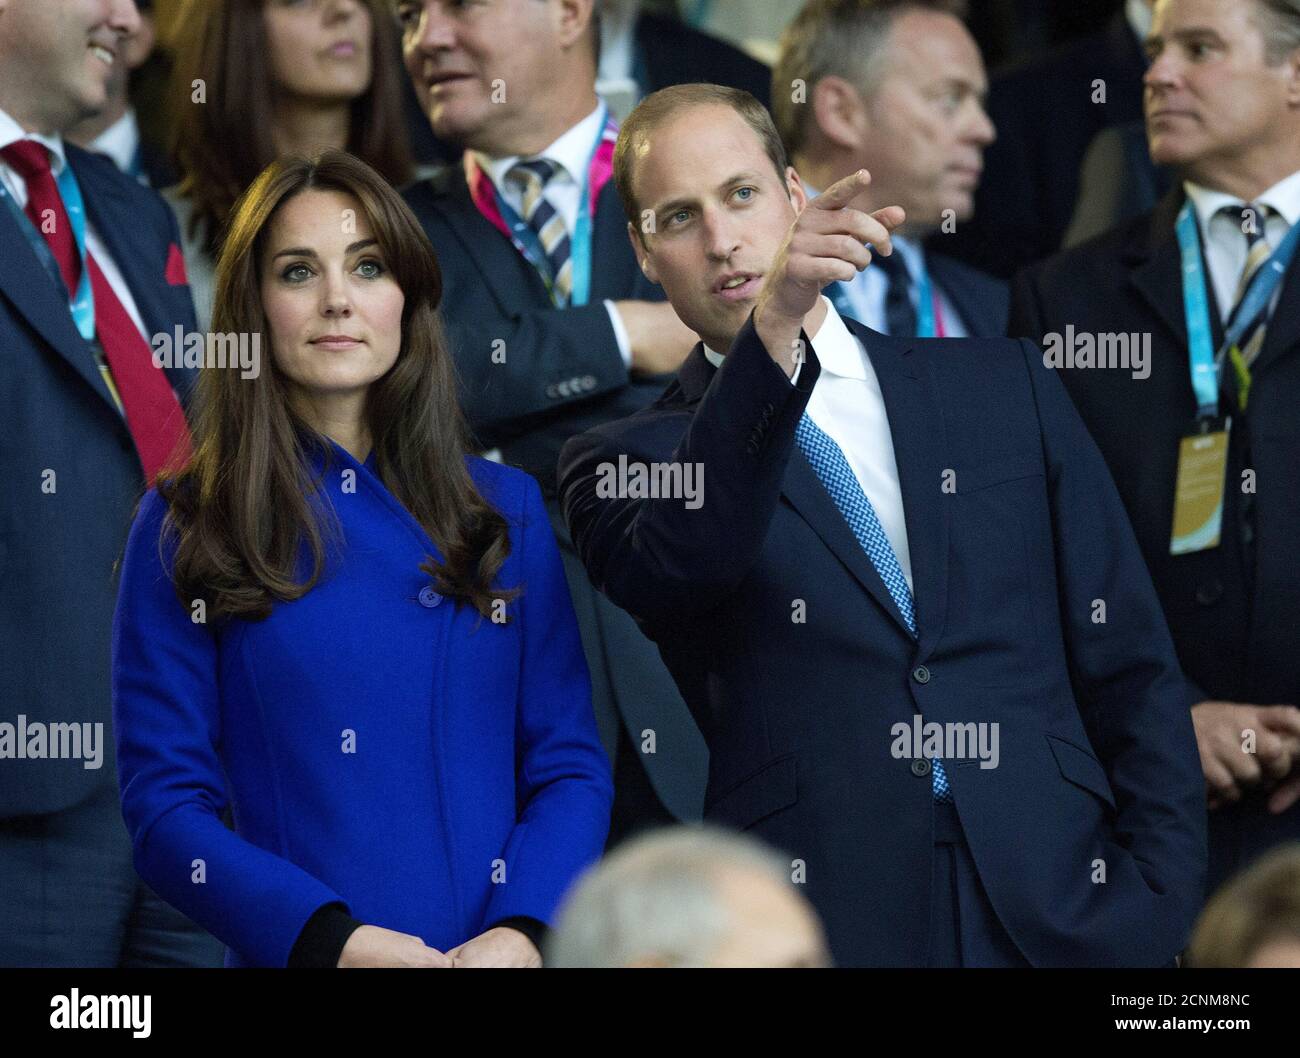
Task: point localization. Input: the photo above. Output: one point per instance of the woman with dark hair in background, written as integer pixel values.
(255, 80)
(359, 631)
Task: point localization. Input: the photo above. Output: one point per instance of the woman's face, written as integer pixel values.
(334, 310)
(320, 49)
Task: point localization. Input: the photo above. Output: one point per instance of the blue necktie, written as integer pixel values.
(838, 477)
(900, 313)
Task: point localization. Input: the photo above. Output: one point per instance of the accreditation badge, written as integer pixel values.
(1199, 488)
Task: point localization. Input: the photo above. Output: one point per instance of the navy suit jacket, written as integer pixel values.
(57, 550)
(1234, 609)
(982, 300)
(797, 664)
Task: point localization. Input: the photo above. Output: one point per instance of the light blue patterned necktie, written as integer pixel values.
(835, 473)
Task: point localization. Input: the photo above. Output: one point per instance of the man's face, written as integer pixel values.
(1210, 95)
(923, 128)
(56, 56)
(480, 64)
(719, 213)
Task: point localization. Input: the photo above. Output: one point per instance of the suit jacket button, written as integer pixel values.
(1209, 593)
(920, 767)
(921, 674)
(429, 597)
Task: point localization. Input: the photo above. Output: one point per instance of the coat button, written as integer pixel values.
(920, 767)
(921, 674)
(429, 597)
(1209, 593)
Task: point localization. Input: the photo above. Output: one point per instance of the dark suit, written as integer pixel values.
(57, 592)
(981, 300)
(562, 374)
(670, 52)
(1098, 760)
(1117, 182)
(1232, 609)
(1045, 118)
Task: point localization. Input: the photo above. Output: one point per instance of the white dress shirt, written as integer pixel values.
(1225, 243)
(572, 152)
(848, 406)
(12, 132)
(121, 142)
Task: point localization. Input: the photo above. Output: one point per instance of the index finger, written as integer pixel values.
(843, 191)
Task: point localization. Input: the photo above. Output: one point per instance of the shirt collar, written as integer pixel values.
(572, 150)
(120, 140)
(1284, 197)
(838, 351)
(12, 132)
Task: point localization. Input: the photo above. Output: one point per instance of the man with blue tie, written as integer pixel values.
(895, 87)
(902, 598)
(89, 269)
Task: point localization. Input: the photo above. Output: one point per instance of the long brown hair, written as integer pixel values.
(248, 499)
(219, 146)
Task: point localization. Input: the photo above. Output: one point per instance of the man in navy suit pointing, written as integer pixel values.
(906, 609)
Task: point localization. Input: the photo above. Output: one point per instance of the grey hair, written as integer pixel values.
(1280, 22)
(836, 38)
(657, 897)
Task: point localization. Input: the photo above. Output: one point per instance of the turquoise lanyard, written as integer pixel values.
(528, 244)
(83, 303)
(1205, 363)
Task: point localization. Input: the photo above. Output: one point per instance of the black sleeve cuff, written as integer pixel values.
(532, 928)
(321, 941)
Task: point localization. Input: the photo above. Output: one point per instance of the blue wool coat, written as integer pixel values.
(381, 746)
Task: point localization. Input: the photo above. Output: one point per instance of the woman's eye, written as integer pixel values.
(745, 193)
(370, 268)
(296, 273)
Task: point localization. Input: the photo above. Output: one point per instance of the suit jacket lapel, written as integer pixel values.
(1156, 270)
(44, 305)
(513, 281)
(921, 454)
(804, 491)
(1283, 334)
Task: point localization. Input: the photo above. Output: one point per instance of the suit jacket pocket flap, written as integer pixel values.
(1081, 768)
(974, 476)
(768, 790)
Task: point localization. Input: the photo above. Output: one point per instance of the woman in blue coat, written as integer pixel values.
(337, 623)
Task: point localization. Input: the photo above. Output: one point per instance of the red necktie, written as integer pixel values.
(153, 414)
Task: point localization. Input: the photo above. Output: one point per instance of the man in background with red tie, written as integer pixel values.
(89, 270)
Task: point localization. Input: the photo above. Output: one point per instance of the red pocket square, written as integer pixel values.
(176, 267)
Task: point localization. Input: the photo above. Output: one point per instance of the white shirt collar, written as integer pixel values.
(120, 140)
(12, 132)
(1283, 197)
(572, 150)
(837, 350)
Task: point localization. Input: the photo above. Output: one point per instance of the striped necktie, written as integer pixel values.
(827, 459)
(547, 224)
(1253, 222)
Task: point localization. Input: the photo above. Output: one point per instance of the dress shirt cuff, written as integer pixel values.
(532, 928)
(620, 334)
(322, 939)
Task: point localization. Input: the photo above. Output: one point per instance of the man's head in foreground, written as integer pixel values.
(688, 896)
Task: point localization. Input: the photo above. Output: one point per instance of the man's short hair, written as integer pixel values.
(1280, 22)
(836, 38)
(666, 103)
